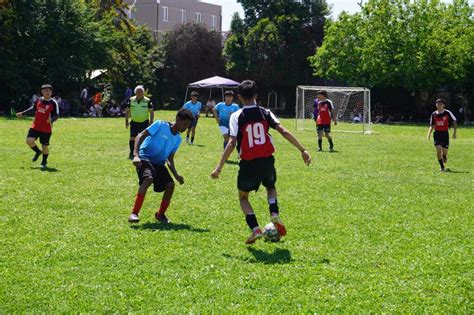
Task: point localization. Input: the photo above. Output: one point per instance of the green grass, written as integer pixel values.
(374, 227)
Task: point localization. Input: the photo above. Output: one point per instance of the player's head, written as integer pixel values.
(229, 96)
(194, 96)
(322, 95)
(184, 118)
(247, 90)
(440, 103)
(139, 91)
(47, 91)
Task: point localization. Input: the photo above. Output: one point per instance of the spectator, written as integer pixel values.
(128, 94)
(84, 97)
(210, 106)
(98, 104)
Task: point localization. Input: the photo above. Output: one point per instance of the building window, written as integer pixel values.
(183, 16)
(165, 14)
(213, 21)
(198, 17)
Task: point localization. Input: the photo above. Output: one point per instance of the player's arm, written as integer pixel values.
(138, 142)
(332, 110)
(30, 109)
(225, 155)
(216, 114)
(291, 139)
(455, 127)
(127, 116)
(172, 168)
(152, 112)
(55, 112)
(430, 130)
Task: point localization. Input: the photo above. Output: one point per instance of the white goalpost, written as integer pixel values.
(352, 105)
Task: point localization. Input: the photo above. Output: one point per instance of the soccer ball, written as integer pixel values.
(270, 233)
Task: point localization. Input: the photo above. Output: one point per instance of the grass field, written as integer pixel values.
(374, 227)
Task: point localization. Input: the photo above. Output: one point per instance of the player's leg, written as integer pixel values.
(193, 129)
(445, 155)
(439, 155)
(166, 183)
(327, 133)
(145, 175)
(320, 139)
(269, 177)
(131, 141)
(31, 142)
(44, 140)
(250, 217)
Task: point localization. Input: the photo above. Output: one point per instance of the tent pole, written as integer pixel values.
(185, 96)
(222, 90)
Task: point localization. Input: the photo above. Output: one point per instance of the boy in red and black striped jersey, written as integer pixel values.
(249, 132)
(323, 113)
(46, 111)
(440, 121)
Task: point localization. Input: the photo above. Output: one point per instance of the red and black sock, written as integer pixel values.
(163, 207)
(251, 220)
(139, 198)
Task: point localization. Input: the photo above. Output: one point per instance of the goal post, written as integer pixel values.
(352, 105)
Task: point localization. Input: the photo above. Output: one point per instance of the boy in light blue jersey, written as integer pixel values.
(154, 147)
(195, 107)
(222, 113)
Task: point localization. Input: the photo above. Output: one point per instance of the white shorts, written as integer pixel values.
(224, 130)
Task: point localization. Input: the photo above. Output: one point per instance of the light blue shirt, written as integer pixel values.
(160, 144)
(225, 111)
(194, 108)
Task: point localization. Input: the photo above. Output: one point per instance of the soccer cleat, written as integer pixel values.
(191, 143)
(320, 150)
(275, 218)
(442, 170)
(162, 218)
(256, 234)
(133, 218)
(331, 149)
(44, 167)
(36, 157)
(187, 140)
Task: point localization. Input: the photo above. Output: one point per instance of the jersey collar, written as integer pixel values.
(250, 106)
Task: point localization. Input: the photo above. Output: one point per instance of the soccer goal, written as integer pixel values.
(352, 105)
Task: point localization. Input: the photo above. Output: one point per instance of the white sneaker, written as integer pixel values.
(133, 218)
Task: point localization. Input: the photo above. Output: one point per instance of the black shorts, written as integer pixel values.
(252, 173)
(441, 138)
(43, 136)
(159, 173)
(136, 127)
(325, 128)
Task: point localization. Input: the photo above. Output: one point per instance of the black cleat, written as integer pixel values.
(36, 157)
(162, 218)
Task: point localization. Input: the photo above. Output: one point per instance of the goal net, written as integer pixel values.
(352, 105)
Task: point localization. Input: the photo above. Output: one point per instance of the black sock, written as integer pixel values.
(251, 221)
(273, 206)
(444, 157)
(441, 163)
(35, 148)
(45, 159)
(192, 139)
(330, 143)
(320, 143)
(131, 144)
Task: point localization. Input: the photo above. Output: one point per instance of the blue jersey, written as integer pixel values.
(224, 112)
(160, 144)
(194, 108)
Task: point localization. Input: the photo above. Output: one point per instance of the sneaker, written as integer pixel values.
(320, 150)
(256, 234)
(187, 140)
(162, 218)
(133, 218)
(191, 143)
(442, 170)
(36, 157)
(44, 166)
(275, 218)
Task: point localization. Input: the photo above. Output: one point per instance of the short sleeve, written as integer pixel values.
(331, 106)
(431, 120)
(272, 120)
(154, 128)
(451, 115)
(234, 124)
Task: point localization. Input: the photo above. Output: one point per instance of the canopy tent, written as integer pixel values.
(214, 82)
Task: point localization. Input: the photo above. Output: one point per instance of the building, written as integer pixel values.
(164, 15)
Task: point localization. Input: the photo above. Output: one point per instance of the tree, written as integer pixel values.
(191, 53)
(416, 45)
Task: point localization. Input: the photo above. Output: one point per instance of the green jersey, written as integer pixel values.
(139, 109)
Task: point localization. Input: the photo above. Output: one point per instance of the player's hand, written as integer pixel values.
(306, 157)
(127, 124)
(136, 161)
(180, 179)
(19, 115)
(215, 173)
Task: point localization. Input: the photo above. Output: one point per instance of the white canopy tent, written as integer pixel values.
(214, 82)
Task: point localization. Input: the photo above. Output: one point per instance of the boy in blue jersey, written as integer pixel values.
(154, 147)
(195, 107)
(222, 112)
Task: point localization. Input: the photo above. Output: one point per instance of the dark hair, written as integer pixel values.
(185, 114)
(248, 89)
(441, 100)
(229, 92)
(322, 92)
(194, 93)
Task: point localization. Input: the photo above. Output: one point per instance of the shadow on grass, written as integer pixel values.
(47, 169)
(232, 162)
(448, 170)
(278, 256)
(158, 226)
(197, 145)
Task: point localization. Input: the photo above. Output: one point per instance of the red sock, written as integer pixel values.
(164, 205)
(138, 203)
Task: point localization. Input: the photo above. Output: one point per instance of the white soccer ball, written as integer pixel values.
(270, 233)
